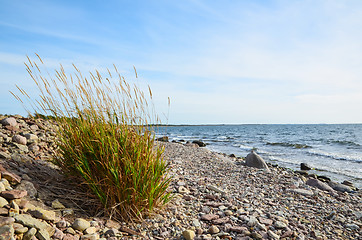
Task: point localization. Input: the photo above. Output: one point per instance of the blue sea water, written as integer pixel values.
(334, 150)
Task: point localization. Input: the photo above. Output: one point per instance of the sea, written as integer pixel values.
(333, 150)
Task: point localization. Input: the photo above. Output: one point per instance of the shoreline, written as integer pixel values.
(215, 197)
(335, 174)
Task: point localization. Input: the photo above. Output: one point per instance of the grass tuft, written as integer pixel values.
(104, 137)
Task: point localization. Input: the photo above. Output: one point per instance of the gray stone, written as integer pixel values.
(254, 160)
(29, 187)
(10, 121)
(31, 222)
(57, 205)
(339, 187)
(279, 224)
(6, 232)
(29, 234)
(213, 229)
(196, 223)
(301, 191)
(19, 229)
(6, 220)
(19, 139)
(80, 224)
(318, 184)
(358, 214)
(352, 226)
(252, 221)
(43, 214)
(31, 138)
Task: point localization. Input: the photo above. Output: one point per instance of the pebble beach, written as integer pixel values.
(215, 197)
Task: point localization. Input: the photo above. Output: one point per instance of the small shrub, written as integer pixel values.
(104, 137)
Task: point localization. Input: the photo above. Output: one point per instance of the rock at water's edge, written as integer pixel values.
(254, 160)
(305, 167)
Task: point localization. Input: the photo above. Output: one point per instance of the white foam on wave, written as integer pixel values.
(244, 147)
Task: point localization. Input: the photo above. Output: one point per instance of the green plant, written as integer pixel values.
(104, 137)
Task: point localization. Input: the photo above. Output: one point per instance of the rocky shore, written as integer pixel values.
(215, 197)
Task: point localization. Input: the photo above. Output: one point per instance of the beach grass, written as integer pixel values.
(105, 137)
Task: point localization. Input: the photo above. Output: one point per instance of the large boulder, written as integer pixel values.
(254, 160)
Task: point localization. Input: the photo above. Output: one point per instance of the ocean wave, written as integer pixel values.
(345, 143)
(286, 144)
(335, 156)
(245, 147)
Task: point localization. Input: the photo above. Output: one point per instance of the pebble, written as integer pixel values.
(188, 234)
(57, 205)
(30, 234)
(90, 230)
(6, 220)
(352, 226)
(209, 217)
(10, 121)
(279, 224)
(20, 229)
(213, 229)
(13, 194)
(19, 139)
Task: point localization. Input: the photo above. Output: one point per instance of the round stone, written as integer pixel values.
(80, 224)
(19, 139)
(279, 224)
(9, 122)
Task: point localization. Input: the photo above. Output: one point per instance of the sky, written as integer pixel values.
(220, 62)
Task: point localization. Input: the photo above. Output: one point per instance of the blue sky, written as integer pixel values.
(219, 61)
